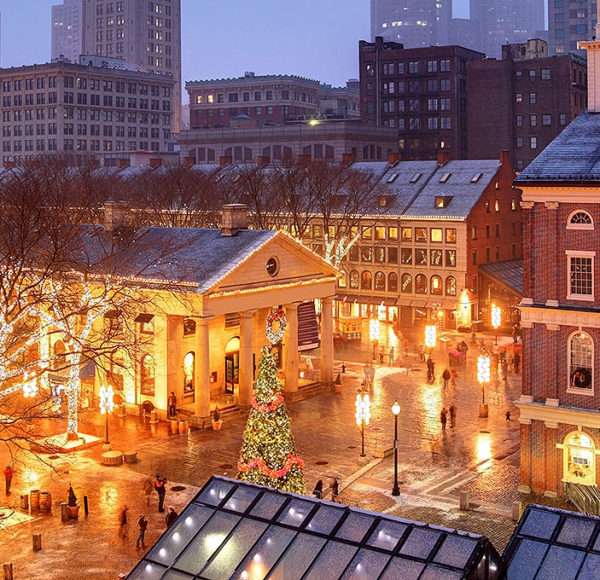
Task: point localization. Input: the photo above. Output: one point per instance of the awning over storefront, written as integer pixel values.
(508, 275)
(375, 300)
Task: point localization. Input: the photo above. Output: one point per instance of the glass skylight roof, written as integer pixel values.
(233, 529)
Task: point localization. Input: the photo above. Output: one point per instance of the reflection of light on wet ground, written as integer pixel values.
(392, 339)
(483, 448)
(431, 400)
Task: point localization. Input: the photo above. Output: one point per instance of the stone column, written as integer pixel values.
(326, 341)
(246, 350)
(202, 370)
(290, 357)
(160, 361)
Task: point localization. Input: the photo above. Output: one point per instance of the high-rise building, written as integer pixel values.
(414, 23)
(570, 21)
(421, 92)
(67, 30)
(147, 34)
(534, 97)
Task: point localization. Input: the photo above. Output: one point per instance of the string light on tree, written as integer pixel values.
(430, 335)
(30, 388)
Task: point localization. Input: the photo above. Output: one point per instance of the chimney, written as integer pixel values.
(348, 158)
(505, 158)
(303, 160)
(116, 216)
(234, 218)
(188, 162)
(443, 157)
(225, 160)
(263, 160)
(123, 163)
(9, 165)
(155, 162)
(394, 158)
(593, 66)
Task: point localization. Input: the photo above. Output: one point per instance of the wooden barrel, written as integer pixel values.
(45, 501)
(34, 499)
(183, 426)
(174, 425)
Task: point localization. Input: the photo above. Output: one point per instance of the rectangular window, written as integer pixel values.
(406, 255)
(546, 120)
(533, 142)
(474, 233)
(451, 235)
(533, 120)
(421, 234)
(393, 233)
(474, 257)
(392, 255)
(436, 257)
(581, 277)
(421, 257)
(436, 234)
(407, 234)
(367, 233)
(532, 98)
(450, 258)
(366, 254)
(380, 232)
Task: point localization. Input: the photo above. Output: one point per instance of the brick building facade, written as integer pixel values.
(534, 97)
(421, 92)
(560, 422)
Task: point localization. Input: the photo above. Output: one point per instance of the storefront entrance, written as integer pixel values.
(232, 365)
(579, 459)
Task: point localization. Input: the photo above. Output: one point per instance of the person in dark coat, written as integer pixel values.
(517, 362)
(142, 525)
(171, 517)
(452, 411)
(318, 491)
(430, 370)
(159, 486)
(443, 418)
(446, 377)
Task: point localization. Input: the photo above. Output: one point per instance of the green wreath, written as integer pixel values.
(275, 336)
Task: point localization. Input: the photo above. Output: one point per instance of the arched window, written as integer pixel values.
(406, 283)
(365, 280)
(189, 362)
(421, 284)
(436, 286)
(354, 279)
(147, 375)
(379, 281)
(581, 362)
(580, 220)
(60, 356)
(393, 282)
(579, 459)
(450, 286)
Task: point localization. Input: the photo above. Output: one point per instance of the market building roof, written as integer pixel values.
(573, 157)
(553, 543)
(234, 529)
(508, 274)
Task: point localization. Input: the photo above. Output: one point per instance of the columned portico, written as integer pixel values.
(202, 370)
(326, 341)
(291, 348)
(246, 350)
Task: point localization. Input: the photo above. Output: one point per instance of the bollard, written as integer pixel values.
(25, 502)
(64, 512)
(465, 500)
(517, 510)
(153, 416)
(8, 571)
(86, 511)
(37, 542)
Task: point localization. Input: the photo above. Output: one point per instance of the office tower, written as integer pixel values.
(570, 21)
(147, 34)
(67, 30)
(414, 23)
(421, 92)
(505, 22)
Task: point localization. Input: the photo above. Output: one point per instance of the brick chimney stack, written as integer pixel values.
(234, 218)
(443, 157)
(116, 216)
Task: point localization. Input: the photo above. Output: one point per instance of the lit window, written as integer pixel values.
(581, 349)
(581, 275)
(436, 234)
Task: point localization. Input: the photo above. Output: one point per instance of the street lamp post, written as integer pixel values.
(483, 376)
(374, 334)
(496, 319)
(430, 336)
(106, 406)
(363, 415)
(396, 411)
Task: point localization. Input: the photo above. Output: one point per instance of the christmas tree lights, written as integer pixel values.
(268, 455)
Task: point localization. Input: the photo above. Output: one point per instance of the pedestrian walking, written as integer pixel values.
(335, 490)
(405, 347)
(142, 525)
(172, 404)
(381, 354)
(452, 410)
(171, 517)
(430, 370)
(517, 362)
(8, 475)
(391, 355)
(421, 353)
(504, 369)
(446, 377)
(159, 486)
(453, 375)
(148, 489)
(375, 344)
(507, 414)
(318, 491)
(443, 418)
(123, 526)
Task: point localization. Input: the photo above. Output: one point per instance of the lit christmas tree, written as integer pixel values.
(268, 455)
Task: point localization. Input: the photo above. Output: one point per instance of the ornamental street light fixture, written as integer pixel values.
(30, 388)
(496, 319)
(374, 334)
(106, 406)
(363, 415)
(430, 336)
(396, 411)
(483, 376)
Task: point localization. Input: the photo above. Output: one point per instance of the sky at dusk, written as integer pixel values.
(224, 38)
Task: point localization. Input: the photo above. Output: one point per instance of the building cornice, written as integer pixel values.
(561, 193)
(531, 314)
(551, 414)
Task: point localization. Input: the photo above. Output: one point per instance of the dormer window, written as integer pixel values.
(415, 177)
(580, 220)
(442, 201)
(445, 177)
(392, 178)
(384, 200)
(476, 177)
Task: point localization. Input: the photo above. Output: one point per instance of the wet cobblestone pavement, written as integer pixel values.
(477, 455)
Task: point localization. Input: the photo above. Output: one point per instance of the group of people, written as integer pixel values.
(448, 413)
(334, 487)
(150, 484)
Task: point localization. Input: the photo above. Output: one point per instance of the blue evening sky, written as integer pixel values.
(224, 38)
